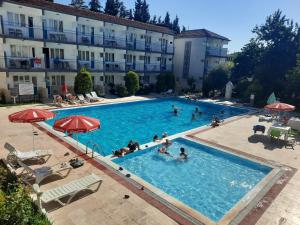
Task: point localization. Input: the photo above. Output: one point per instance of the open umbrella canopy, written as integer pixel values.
(76, 124)
(31, 116)
(280, 107)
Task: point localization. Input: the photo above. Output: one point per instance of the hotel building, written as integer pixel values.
(46, 44)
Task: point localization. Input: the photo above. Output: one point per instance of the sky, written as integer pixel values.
(233, 19)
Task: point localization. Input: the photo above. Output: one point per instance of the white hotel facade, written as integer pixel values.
(46, 44)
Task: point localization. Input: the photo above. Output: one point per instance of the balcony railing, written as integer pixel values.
(91, 65)
(90, 39)
(166, 68)
(152, 67)
(216, 51)
(114, 66)
(18, 30)
(58, 36)
(114, 42)
(135, 45)
(63, 64)
(22, 63)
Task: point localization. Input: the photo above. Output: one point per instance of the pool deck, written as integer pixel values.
(107, 206)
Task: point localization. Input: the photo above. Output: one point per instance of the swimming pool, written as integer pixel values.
(141, 120)
(210, 181)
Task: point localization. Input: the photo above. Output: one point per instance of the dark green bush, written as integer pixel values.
(16, 207)
(121, 90)
(83, 82)
(165, 81)
(132, 82)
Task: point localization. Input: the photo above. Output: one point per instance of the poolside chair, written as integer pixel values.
(275, 134)
(94, 95)
(39, 174)
(168, 92)
(82, 100)
(71, 98)
(14, 154)
(70, 189)
(91, 98)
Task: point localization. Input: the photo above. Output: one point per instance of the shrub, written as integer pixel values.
(83, 82)
(146, 89)
(165, 81)
(121, 90)
(16, 207)
(132, 82)
(215, 80)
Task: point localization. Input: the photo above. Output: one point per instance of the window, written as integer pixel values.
(147, 59)
(186, 59)
(15, 19)
(20, 51)
(83, 29)
(56, 25)
(141, 57)
(101, 78)
(27, 80)
(109, 57)
(57, 53)
(84, 55)
(158, 58)
(15, 78)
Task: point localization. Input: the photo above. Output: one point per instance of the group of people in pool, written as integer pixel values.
(195, 113)
(167, 143)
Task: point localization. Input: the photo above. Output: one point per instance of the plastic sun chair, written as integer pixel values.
(82, 100)
(275, 134)
(14, 154)
(91, 98)
(94, 95)
(39, 174)
(70, 189)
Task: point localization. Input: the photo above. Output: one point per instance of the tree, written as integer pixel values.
(165, 81)
(153, 20)
(95, 6)
(167, 21)
(293, 84)
(123, 12)
(132, 82)
(83, 82)
(183, 29)
(138, 10)
(50, 0)
(159, 20)
(130, 14)
(112, 7)
(175, 25)
(78, 4)
(192, 83)
(215, 80)
(145, 12)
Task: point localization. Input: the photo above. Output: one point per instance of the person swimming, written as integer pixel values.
(167, 143)
(163, 150)
(183, 154)
(155, 138)
(164, 135)
(194, 117)
(197, 111)
(175, 110)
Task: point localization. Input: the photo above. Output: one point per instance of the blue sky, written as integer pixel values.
(231, 18)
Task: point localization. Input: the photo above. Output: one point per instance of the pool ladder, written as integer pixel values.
(94, 147)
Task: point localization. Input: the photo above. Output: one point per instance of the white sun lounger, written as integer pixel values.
(82, 99)
(39, 174)
(91, 98)
(14, 154)
(94, 95)
(69, 189)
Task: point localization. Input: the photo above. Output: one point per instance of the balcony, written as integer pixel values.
(62, 64)
(57, 36)
(216, 51)
(91, 65)
(23, 63)
(114, 42)
(133, 66)
(90, 39)
(114, 66)
(152, 67)
(166, 68)
(135, 45)
(153, 47)
(17, 30)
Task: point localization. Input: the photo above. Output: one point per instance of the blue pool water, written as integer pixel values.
(141, 120)
(210, 181)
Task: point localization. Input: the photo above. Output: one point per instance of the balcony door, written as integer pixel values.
(30, 27)
(92, 35)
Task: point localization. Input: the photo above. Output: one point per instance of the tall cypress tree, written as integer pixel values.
(183, 29)
(167, 21)
(78, 4)
(159, 20)
(112, 7)
(123, 12)
(153, 20)
(175, 25)
(95, 6)
(138, 10)
(145, 12)
(130, 14)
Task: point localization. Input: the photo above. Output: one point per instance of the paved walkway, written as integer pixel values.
(107, 206)
(285, 209)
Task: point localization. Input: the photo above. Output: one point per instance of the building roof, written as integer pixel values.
(200, 33)
(46, 5)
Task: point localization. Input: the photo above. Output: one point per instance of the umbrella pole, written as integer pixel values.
(33, 137)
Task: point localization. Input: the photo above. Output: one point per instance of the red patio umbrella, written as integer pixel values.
(76, 124)
(280, 107)
(31, 116)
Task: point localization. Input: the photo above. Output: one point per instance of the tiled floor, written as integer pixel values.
(107, 206)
